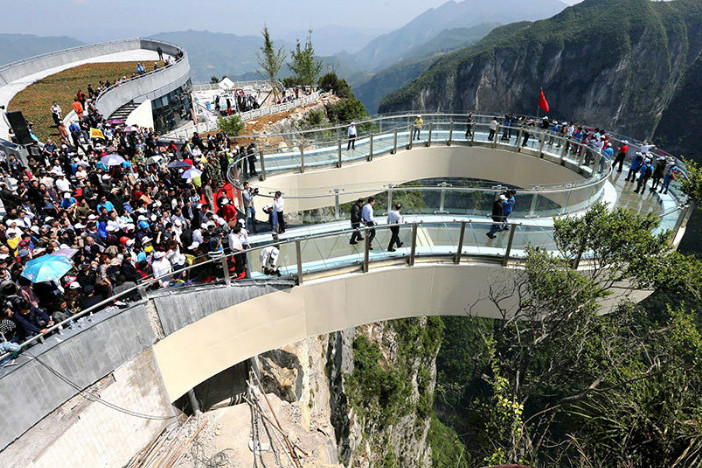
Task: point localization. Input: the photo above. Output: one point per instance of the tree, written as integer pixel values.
(574, 382)
(270, 60)
(338, 86)
(232, 125)
(214, 80)
(303, 63)
(692, 182)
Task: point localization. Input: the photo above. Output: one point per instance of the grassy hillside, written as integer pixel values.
(35, 100)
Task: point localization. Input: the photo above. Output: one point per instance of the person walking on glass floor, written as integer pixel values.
(369, 220)
(394, 220)
(356, 221)
(498, 216)
(352, 133)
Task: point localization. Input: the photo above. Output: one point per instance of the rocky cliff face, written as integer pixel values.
(615, 63)
(368, 390)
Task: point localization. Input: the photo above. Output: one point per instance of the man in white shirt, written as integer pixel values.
(62, 184)
(369, 220)
(237, 248)
(278, 207)
(161, 267)
(493, 128)
(352, 133)
(394, 220)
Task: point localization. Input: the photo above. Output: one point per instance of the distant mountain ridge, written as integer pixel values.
(20, 46)
(613, 63)
(386, 49)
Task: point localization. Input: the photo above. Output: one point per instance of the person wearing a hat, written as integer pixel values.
(418, 122)
(227, 211)
(658, 172)
(161, 268)
(90, 297)
(645, 173)
(606, 156)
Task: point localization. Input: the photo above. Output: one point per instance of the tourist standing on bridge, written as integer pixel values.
(671, 173)
(278, 215)
(394, 220)
(369, 220)
(356, 221)
(159, 51)
(352, 133)
(644, 174)
(636, 164)
(493, 128)
(470, 124)
(507, 207)
(606, 156)
(247, 196)
(418, 122)
(658, 172)
(621, 154)
(498, 216)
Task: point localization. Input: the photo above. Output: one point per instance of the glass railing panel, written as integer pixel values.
(551, 204)
(440, 132)
(287, 259)
(535, 236)
(438, 239)
(476, 242)
(482, 133)
(468, 202)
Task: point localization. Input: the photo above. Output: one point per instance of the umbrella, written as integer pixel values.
(46, 268)
(130, 129)
(112, 160)
(68, 253)
(115, 121)
(154, 160)
(191, 174)
(178, 164)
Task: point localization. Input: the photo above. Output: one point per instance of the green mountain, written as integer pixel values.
(19, 46)
(418, 60)
(614, 63)
(386, 49)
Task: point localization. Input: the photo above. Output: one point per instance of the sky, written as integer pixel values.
(97, 20)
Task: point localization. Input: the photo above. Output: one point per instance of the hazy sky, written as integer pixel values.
(101, 19)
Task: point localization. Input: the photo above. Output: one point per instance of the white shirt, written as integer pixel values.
(367, 213)
(493, 125)
(279, 204)
(394, 217)
(161, 267)
(352, 131)
(269, 257)
(63, 185)
(235, 242)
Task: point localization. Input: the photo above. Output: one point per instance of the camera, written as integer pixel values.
(255, 191)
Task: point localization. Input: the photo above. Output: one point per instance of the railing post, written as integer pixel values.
(263, 166)
(225, 267)
(509, 245)
(519, 141)
(302, 159)
(459, 251)
(411, 134)
(450, 134)
(442, 196)
(366, 251)
(337, 212)
(495, 136)
(431, 127)
(298, 257)
(565, 205)
(338, 163)
(413, 249)
(532, 208)
(394, 144)
(370, 154)
(541, 145)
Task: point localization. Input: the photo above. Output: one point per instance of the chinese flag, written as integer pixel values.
(543, 103)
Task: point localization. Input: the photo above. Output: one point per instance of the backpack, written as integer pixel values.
(648, 171)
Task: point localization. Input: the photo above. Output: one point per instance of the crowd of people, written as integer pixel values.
(124, 207)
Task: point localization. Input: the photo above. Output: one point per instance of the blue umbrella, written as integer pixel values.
(179, 164)
(46, 268)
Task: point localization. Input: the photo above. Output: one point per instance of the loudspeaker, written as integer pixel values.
(19, 126)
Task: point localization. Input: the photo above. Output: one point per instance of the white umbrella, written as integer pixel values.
(191, 174)
(112, 160)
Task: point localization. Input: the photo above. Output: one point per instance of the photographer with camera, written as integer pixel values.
(249, 210)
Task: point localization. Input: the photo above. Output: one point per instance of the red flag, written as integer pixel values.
(543, 103)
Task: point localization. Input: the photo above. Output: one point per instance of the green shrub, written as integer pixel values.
(232, 125)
